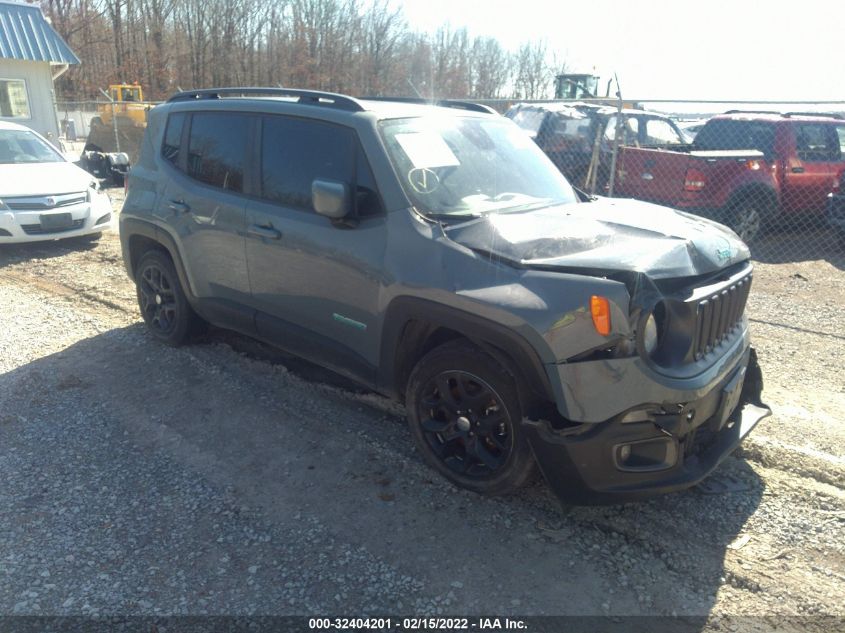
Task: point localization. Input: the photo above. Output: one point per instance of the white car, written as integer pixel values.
(44, 196)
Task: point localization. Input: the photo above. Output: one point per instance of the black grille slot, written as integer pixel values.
(35, 229)
(718, 315)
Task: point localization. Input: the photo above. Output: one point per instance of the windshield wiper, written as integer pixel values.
(453, 216)
(530, 206)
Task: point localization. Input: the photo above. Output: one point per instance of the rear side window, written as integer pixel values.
(217, 149)
(173, 138)
(295, 152)
(721, 134)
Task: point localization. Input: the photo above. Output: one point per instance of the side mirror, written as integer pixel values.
(71, 157)
(331, 198)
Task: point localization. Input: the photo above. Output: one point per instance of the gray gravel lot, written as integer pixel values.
(226, 478)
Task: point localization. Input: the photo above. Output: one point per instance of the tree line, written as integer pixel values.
(359, 47)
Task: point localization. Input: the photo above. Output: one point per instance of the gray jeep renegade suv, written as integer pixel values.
(434, 254)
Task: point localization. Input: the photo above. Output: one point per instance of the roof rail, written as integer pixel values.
(307, 97)
(826, 115)
(443, 103)
(753, 112)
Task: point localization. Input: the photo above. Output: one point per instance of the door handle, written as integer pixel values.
(797, 170)
(178, 206)
(264, 231)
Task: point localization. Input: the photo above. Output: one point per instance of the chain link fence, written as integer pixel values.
(775, 173)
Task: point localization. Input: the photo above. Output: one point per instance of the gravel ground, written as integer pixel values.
(227, 478)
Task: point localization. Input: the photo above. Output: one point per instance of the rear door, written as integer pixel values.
(315, 283)
(813, 168)
(203, 204)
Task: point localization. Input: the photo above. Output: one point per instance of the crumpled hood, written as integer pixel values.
(35, 179)
(607, 235)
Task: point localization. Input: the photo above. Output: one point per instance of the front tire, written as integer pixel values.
(465, 416)
(166, 311)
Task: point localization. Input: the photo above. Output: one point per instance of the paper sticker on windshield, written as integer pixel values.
(427, 149)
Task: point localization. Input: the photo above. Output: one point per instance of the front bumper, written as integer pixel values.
(18, 227)
(582, 464)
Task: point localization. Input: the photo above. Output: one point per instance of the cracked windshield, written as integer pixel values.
(465, 167)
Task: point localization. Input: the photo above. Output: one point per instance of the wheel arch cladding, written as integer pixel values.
(413, 327)
(143, 236)
(758, 193)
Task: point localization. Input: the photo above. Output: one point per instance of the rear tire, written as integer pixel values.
(465, 416)
(164, 306)
(746, 220)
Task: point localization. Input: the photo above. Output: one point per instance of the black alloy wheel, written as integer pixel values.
(464, 413)
(466, 424)
(163, 304)
(157, 300)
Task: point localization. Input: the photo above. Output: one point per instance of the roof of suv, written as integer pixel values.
(749, 115)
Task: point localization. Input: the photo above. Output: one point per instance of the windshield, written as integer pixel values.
(20, 146)
(462, 166)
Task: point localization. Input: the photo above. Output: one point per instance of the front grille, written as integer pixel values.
(35, 229)
(41, 203)
(718, 315)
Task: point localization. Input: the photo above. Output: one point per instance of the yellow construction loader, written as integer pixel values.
(114, 136)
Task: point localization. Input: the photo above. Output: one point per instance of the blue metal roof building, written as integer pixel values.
(32, 56)
(26, 35)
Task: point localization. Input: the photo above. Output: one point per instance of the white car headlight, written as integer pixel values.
(650, 337)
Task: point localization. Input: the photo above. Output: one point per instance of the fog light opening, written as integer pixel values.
(646, 455)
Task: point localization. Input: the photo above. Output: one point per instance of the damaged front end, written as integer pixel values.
(652, 449)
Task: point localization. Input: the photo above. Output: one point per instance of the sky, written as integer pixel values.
(663, 49)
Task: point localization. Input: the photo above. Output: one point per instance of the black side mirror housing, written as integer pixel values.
(331, 198)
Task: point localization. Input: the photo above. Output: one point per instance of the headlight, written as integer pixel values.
(650, 335)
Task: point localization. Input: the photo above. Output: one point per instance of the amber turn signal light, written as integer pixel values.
(600, 309)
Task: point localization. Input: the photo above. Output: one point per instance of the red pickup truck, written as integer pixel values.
(744, 169)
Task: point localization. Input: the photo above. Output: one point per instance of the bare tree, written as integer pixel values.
(355, 46)
(532, 72)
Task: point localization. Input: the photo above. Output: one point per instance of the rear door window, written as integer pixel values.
(217, 149)
(630, 130)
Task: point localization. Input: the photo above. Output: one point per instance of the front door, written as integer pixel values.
(315, 283)
(814, 170)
